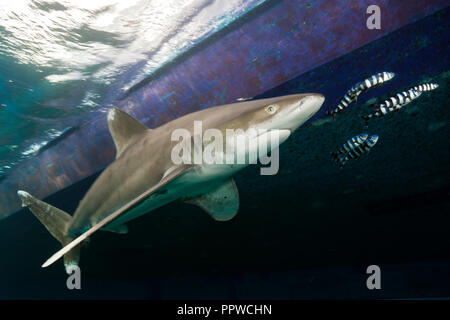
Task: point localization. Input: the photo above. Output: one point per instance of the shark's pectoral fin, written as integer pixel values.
(124, 128)
(222, 203)
(174, 174)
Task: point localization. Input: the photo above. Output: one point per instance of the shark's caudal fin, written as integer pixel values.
(56, 222)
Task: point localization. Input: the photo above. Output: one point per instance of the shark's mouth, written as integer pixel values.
(259, 133)
(280, 135)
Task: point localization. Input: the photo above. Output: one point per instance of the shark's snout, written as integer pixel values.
(315, 102)
(318, 96)
(296, 110)
(310, 104)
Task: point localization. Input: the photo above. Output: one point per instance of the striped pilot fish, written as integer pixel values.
(424, 87)
(350, 144)
(355, 91)
(358, 151)
(393, 103)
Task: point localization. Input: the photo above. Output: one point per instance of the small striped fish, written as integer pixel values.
(358, 151)
(355, 91)
(393, 103)
(350, 144)
(424, 87)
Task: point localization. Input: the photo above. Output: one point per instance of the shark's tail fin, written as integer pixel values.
(56, 222)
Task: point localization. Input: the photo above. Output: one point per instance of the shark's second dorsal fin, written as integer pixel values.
(123, 128)
(222, 203)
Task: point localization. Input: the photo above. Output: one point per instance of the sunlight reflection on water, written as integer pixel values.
(61, 58)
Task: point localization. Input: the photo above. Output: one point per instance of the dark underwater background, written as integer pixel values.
(308, 232)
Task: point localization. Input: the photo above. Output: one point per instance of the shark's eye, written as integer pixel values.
(271, 109)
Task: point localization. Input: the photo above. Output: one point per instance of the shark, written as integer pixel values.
(144, 177)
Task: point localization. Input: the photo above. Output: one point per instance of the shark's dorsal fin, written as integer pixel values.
(123, 128)
(222, 203)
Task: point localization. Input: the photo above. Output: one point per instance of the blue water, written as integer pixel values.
(61, 61)
(308, 232)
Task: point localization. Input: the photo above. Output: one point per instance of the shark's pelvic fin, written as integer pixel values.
(124, 128)
(222, 203)
(122, 229)
(56, 222)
